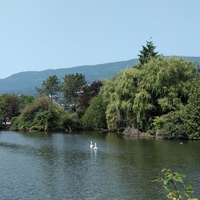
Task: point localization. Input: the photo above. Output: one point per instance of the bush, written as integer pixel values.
(174, 186)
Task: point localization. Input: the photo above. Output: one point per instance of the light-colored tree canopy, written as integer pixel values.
(150, 96)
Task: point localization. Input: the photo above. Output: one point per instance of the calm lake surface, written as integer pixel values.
(62, 166)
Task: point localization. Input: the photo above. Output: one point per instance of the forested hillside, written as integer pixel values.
(25, 82)
(158, 96)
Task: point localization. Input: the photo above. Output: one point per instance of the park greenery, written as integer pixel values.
(158, 96)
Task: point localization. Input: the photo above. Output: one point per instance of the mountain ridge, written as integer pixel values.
(25, 82)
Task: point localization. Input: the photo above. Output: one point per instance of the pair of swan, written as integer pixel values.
(93, 146)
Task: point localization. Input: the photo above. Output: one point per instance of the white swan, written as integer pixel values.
(91, 145)
(95, 146)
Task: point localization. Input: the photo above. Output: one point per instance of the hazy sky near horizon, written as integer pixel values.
(49, 34)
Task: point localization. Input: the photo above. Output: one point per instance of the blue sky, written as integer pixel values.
(49, 34)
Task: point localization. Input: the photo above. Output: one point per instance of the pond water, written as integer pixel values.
(62, 166)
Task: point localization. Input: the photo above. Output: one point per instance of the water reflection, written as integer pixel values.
(62, 166)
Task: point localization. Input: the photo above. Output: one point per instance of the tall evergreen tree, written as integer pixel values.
(147, 52)
(72, 87)
(50, 87)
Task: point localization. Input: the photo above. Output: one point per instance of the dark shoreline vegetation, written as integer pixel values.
(157, 97)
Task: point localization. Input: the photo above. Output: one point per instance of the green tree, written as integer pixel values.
(37, 116)
(70, 122)
(174, 186)
(111, 102)
(147, 52)
(178, 100)
(94, 117)
(10, 105)
(50, 87)
(72, 86)
(190, 114)
(151, 97)
(25, 100)
(88, 92)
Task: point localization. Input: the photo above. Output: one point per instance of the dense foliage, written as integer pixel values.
(11, 105)
(72, 86)
(94, 117)
(42, 115)
(50, 87)
(157, 97)
(46, 113)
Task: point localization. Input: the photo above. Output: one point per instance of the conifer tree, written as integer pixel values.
(147, 52)
(49, 87)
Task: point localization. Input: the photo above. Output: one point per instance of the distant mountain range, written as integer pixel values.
(25, 82)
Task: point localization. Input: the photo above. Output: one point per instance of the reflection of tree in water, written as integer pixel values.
(64, 166)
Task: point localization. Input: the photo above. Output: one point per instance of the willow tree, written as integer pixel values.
(191, 118)
(170, 89)
(111, 102)
(138, 95)
(126, 89)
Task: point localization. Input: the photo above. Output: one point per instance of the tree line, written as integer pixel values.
(158, 95)
(59, 106)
